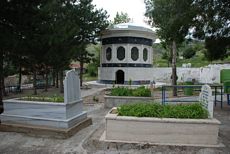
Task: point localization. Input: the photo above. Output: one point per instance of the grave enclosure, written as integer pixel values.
(165, 131)
(58, 119)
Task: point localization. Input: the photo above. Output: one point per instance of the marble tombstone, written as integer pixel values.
(48, 114)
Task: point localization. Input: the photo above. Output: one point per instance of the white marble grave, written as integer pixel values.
(71, 87)
(48, 114)
(206, 99)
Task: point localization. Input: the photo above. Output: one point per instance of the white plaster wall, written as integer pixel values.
(133, 73)
(208, 74)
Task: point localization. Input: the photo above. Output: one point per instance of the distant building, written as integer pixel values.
(126, 54)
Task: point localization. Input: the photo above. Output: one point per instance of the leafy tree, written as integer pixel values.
(15, 26)
(61, 26)
(46, 34)
(91, 21)
(171, 17)
(92, 68)
(216, 48)
(121, 18)
(212, 25)
(83, 56)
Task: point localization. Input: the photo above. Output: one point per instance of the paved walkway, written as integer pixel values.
(91, 91)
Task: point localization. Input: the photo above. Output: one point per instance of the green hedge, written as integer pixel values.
(124, 91)
(185, 111)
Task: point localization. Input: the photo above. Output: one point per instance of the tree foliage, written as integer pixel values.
(47, 34)
(189, 52)
(121, 18)
(91, 22)
(212, 25)
(172, 18)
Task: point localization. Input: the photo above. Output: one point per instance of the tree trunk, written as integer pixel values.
(174, 75)
(53, 76)
(20, 76)
(46, 77)
(61, 82)
(1, 84)
(35, 81)
(81, 72)
(57, 79)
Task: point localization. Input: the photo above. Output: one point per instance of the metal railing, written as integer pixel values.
(195, 88)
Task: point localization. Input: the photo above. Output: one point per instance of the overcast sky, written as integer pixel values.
(134, 8)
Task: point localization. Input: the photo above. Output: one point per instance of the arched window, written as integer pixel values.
(145, 54)
(108, 53)
(134, 53)
(120, 53)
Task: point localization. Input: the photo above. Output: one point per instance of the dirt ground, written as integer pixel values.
(87, 141)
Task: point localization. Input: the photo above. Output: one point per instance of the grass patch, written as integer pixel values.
(183, 111)
(124, 91)
(56, 99)
(196, 61)
(87, 77)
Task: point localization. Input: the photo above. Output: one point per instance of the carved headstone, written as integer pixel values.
(206, 99)
(72, 91)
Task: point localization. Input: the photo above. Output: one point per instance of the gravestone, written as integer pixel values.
(206, 99)
(72, 91)
(66, 117)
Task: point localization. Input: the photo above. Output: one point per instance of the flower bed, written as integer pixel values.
(183, 111)
(56, 99)
(125, 91)
(124, 95)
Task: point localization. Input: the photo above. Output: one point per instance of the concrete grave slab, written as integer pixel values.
(63, 116)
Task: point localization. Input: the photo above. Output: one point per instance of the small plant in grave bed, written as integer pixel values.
(124, 91)
(95, 99)
(55, 98)
(183, 111)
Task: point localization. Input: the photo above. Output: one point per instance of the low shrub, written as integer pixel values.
(121, 91)
(124, 91)
(142, 92)
(184, 111)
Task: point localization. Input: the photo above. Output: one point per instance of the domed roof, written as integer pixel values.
(131, 26)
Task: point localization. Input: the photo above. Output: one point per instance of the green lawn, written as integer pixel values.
(86, 77)
(196, 61)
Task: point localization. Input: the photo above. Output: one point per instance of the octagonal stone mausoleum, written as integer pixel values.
(126, 55)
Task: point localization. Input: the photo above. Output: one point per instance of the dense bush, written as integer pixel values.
(92, 70)
(124, 91)
(189, 53)
(188, 111)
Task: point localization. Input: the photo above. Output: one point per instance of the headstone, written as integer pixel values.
(206, 99)
(152, 87)
(71, 87)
